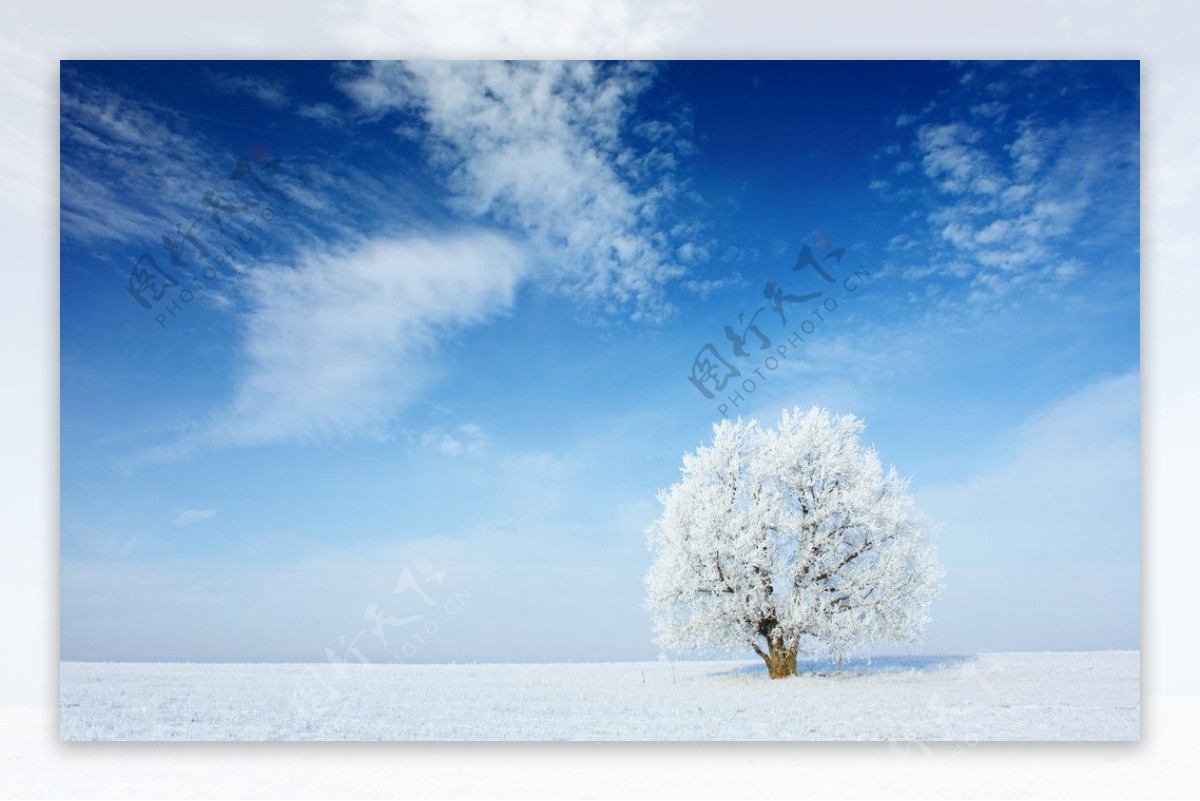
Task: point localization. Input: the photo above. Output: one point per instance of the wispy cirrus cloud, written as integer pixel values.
(132, 171)
(267, 91)
(542, 147)
(128, 173)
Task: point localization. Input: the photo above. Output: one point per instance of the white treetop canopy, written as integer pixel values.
(791, 539)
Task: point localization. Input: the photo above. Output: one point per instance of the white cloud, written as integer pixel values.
(1027, 150)
(538, 146)
(468, 439)
(335, 346)
(706, 287)
(1009, 197)
(954, 162)
(906, 119)
(272, 94)
(689, 252)
(323, 113)
(991, 110)
(186, 517)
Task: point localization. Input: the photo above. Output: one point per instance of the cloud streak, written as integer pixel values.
(129, 174)
(272, 94)
(337, 344)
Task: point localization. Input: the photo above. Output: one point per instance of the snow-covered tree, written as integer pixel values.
(789, 541)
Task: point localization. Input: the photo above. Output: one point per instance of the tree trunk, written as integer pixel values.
(781, 661)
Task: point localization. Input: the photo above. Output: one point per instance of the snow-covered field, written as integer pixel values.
(1004, 696)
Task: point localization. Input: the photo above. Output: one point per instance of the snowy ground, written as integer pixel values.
(1011, 696)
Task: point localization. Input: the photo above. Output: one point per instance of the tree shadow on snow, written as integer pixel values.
(864, 666)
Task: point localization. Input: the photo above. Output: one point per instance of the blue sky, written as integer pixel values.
(441, 367)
